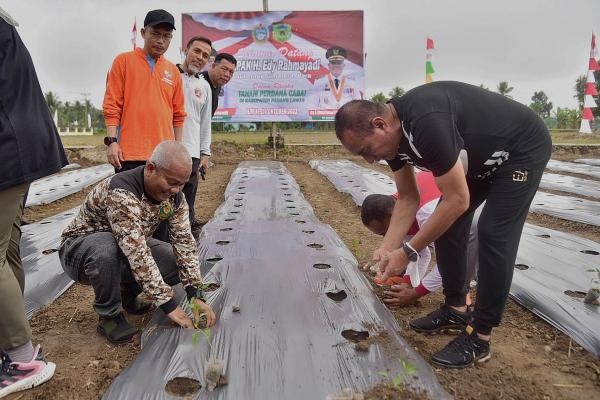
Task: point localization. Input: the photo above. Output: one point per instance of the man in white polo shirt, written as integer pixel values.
(196, 135)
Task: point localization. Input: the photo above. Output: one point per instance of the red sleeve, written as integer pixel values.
(428, 189)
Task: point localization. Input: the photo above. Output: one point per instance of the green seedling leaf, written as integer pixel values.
(398, 381)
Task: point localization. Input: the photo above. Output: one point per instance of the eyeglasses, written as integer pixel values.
(155, 35)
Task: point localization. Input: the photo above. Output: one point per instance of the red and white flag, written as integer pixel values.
(134, 34)
(590, 90)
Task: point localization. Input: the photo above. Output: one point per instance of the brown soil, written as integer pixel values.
(530, 359)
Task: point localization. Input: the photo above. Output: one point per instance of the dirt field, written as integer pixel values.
(530, 359)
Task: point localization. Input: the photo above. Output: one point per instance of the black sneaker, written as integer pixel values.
(117, 330)
(443, 319)
(463, 351)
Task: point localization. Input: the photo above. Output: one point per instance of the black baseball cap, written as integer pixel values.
(157, 17)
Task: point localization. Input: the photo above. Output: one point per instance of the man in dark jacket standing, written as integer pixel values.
(30, 149)
(506, 148)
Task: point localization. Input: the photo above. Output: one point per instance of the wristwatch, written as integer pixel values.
(411, 253)
(108, 140)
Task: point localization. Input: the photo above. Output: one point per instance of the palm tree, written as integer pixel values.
(504, 89)
(79, 113)
(396, 91)
(67, 113)
(580, 89)
(379, 98)
(53, 102)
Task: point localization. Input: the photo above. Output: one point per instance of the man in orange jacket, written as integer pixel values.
(143, 103)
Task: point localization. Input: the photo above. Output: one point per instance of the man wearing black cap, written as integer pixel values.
(143, 104)
(336, 88)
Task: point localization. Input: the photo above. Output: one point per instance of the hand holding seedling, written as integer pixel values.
(394, 263)
(180, 318)
(200, 308)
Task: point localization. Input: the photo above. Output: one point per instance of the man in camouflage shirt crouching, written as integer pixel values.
(109, 244)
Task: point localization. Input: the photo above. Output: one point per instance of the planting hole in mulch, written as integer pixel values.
(315, 246)
(214, 259)
(229, 219)
(234, 212)
(544, 236)
(294, 214)
(225, 229)
(241, 192)
(355, 336)
(521, 267)
(299, 221)
(337, 296)
(321, 266)
(308, 232)
(238, 205)
(592, 252)
(241, 187)
(576, 294)
(222, 242)
(182, 387)
(49, 251)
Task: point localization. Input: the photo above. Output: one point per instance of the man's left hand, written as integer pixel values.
(203, 308)
(205, 162)
(394, 263)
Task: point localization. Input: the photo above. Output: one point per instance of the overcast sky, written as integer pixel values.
(533, 44)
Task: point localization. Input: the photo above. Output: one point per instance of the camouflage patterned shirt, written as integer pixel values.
(119, 205)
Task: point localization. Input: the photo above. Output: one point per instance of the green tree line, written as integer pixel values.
(559, 118)
(74, 114)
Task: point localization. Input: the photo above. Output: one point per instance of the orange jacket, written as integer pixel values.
(145, 105)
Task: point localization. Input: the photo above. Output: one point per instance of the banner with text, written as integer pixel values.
(291, 65)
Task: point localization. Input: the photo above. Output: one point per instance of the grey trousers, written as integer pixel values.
(14, 328)
(97, 260)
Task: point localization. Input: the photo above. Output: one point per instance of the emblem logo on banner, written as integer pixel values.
(260, 34)
(282, 32)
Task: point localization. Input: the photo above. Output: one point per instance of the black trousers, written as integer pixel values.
(507, 199)
(191, 188)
